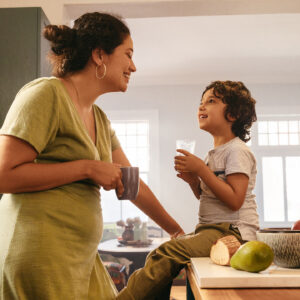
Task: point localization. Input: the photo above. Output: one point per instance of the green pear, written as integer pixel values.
(253, 256)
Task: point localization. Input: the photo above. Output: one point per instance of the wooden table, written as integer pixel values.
(194, 292)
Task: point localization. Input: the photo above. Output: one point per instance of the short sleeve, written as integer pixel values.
(239, 160)
(33, 116)
(115, 144)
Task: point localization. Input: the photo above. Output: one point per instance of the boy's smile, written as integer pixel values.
(202, 116)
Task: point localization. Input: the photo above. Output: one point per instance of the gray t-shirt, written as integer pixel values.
(232, 157)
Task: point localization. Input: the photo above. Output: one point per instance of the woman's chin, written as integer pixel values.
(120, 88)
(123, 88)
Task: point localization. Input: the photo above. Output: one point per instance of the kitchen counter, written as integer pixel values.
(202, 273)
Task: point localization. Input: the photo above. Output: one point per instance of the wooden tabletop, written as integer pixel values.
(113, 246)
(237, 294)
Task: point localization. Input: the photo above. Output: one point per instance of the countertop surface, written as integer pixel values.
(210, 275)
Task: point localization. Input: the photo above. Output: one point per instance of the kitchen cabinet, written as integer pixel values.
(23, 51)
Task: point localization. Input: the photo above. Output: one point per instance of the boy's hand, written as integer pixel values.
(188, 162)
(189, 177)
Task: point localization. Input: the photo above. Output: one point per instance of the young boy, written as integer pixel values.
(223, 182)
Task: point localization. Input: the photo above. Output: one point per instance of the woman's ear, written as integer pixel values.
(97, 56)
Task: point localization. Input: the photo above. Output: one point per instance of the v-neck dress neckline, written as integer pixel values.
(76, 113)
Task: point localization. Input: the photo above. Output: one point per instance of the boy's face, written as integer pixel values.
(211, 114)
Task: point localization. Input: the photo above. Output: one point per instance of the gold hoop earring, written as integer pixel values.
(104, 71)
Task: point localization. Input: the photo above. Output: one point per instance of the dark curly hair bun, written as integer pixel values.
(61, 38)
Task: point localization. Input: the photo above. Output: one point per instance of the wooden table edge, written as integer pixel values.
(193, 282)
(239, 293)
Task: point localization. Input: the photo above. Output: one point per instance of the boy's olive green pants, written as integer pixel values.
(163, 264)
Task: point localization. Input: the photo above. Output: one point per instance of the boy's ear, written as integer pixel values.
(230, 118)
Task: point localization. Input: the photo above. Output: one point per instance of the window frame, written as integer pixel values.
(272, 151)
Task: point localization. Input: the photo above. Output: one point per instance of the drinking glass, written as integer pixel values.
(186, 144)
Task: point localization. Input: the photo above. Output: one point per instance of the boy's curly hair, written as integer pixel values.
(240, 105)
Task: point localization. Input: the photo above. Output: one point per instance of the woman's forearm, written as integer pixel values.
(149, 204)
(19, 172)
(30, 177)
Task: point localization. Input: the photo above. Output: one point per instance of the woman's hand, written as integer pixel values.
(177, 234)
(187, 163)
(108, 175)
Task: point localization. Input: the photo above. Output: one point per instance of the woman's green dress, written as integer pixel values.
(49, 239)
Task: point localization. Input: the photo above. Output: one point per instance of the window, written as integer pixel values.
(276, 144)
(134, 139)
(273, 133)
(138, 137)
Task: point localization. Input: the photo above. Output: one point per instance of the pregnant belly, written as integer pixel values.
(61, 214)
(52, 233)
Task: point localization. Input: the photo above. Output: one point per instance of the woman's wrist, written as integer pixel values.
(177, 233)
(174, 229)
(87, 168)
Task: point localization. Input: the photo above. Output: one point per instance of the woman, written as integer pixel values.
(56, 150)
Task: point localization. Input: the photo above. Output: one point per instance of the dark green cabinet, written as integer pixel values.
(23, 51)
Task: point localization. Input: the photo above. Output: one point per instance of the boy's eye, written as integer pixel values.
(208, 101)
(129, 55)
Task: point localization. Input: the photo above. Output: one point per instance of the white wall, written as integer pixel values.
(177, 107)
(277, 99)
